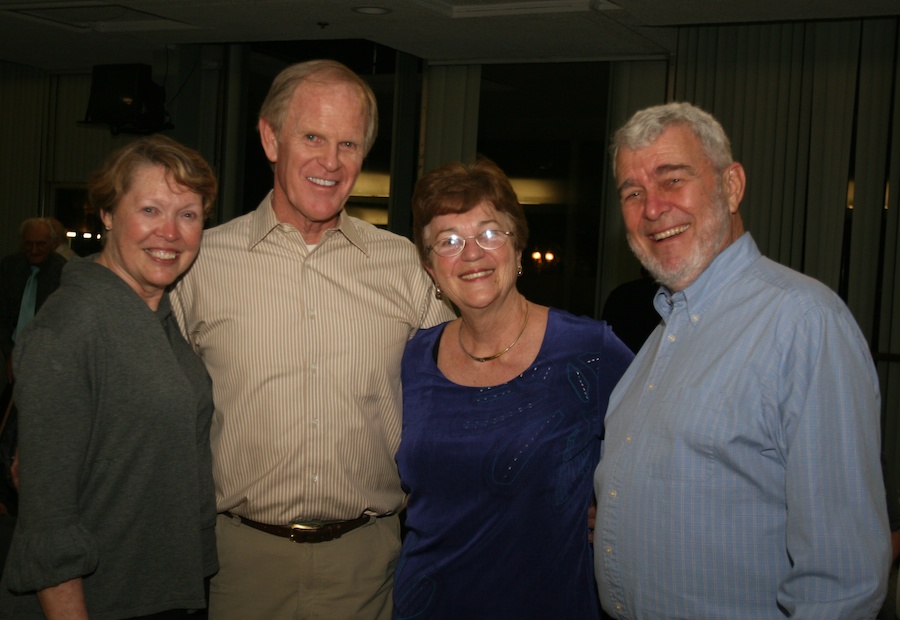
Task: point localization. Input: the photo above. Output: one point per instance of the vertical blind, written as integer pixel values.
(813, 113)
(22, 117)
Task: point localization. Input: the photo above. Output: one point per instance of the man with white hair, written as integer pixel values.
(26, 280)
(740, 475)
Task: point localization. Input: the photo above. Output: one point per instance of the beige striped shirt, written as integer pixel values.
(304, 351)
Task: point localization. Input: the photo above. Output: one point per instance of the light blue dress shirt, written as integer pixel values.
(740, 475)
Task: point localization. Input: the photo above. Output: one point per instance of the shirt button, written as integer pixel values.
(613, 493)
(628, 439)
(695, 318)
(315, 421)
(608, 550)
(315, 478)
(618, 606)
(650, 388)
(313, 368)
(671, 337)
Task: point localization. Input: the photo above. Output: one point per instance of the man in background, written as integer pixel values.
(629, 310)
(301, 314)
(26, 280)
(741, 473)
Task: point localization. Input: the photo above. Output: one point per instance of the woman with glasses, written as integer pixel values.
(502, 419)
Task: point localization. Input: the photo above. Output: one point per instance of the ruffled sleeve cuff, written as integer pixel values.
(39, 560)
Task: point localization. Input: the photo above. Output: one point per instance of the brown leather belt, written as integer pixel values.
(302, 533)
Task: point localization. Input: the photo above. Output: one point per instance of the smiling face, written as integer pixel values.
(153, 233)
(679, 211)
(475, 278)
(317, 155)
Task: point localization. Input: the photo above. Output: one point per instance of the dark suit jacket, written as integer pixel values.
(630, 312)
(14, 273)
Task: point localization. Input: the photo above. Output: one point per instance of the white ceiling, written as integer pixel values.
(73, 35)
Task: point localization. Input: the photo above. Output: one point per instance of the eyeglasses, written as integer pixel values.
(486, 240)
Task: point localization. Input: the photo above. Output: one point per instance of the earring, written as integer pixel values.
(438, 293)
(519, 271)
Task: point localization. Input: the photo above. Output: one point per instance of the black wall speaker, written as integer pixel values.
(126, 98)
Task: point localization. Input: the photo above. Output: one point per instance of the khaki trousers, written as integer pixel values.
(265, 577)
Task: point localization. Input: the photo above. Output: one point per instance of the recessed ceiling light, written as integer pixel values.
(372, 10)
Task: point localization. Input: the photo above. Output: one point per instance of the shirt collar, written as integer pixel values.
(726, 266)
(264, 222)
(350, 228)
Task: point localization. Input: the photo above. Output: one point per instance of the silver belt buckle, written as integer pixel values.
(308, 526)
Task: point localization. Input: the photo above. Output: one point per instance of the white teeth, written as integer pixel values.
(670, 233)
(163, 254)
(478, 274)
(322, 182)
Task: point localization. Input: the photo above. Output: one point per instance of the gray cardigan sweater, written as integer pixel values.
(116, 480)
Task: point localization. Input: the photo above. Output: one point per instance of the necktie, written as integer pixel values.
(29, 298)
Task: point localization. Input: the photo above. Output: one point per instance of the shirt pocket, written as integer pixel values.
(687, 435)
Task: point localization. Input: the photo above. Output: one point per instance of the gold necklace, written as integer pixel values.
(495, 355)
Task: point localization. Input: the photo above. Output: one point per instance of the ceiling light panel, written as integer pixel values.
(491, 8)
(101, 18)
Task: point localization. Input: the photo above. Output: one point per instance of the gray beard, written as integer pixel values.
(710, 238)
